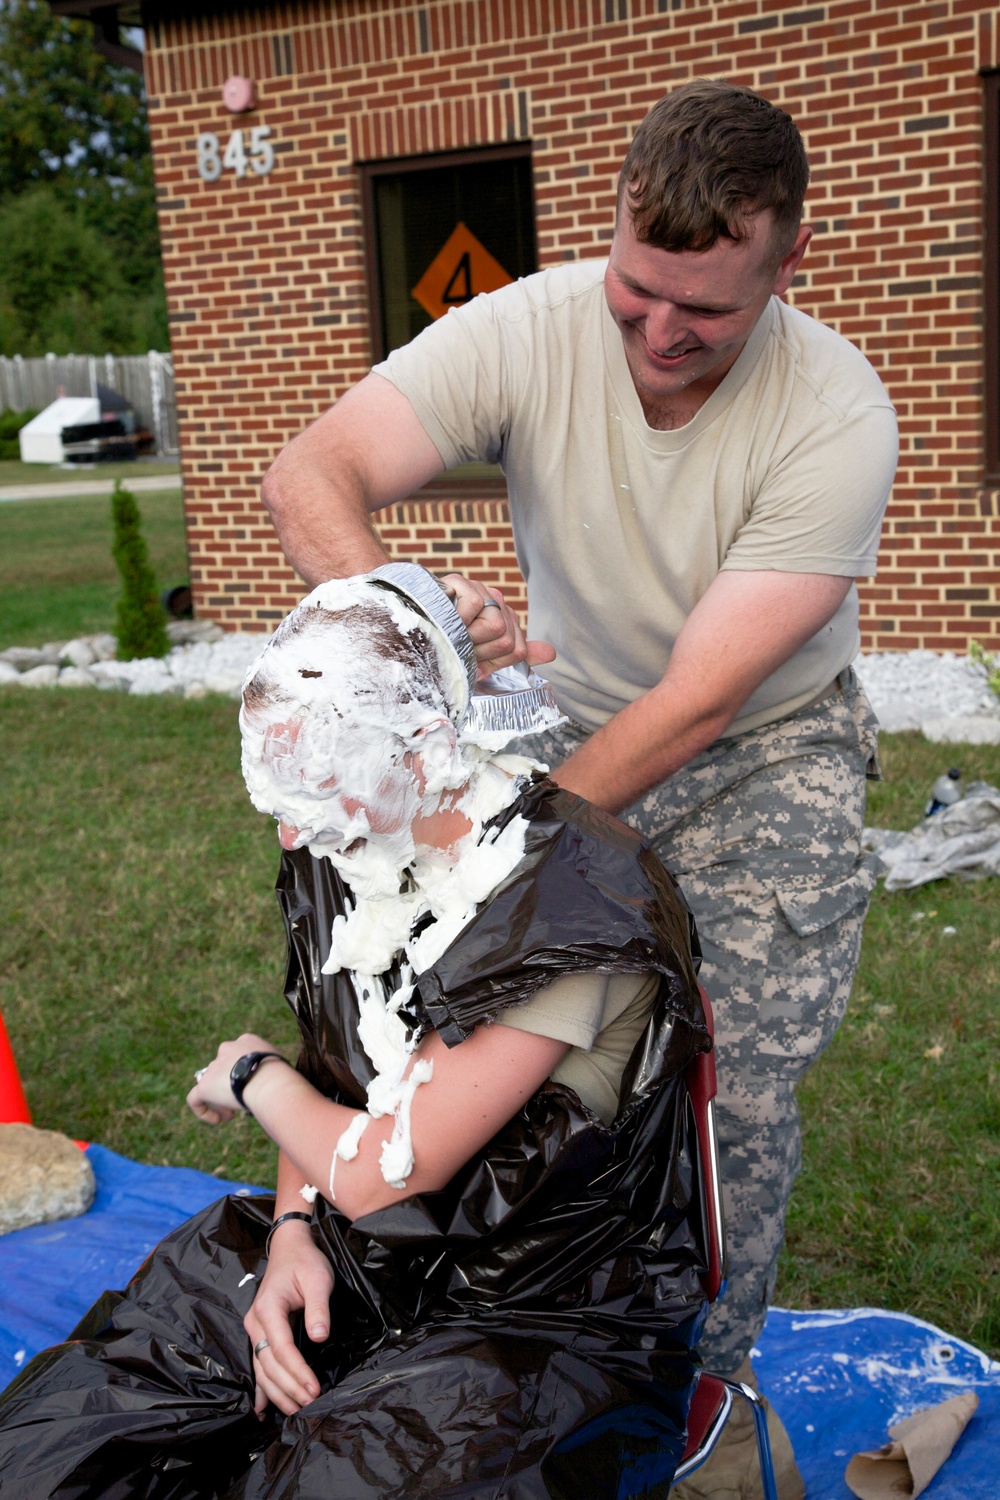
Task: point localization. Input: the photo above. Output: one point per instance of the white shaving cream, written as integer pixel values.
(349, 746)
(346, 1148)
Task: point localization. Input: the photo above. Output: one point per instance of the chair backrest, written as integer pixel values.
(702, 1090)
(707, 1415)
(713, 1394)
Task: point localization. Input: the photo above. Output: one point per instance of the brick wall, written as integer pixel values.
(265, 275)
(450, 535)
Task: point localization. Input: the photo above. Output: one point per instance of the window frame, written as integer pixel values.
(991, 276)
(368, 174)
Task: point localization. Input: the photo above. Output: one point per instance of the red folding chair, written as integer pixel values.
(714, 1394)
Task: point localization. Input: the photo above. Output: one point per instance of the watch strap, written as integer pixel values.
(283, 1219)
(243, 1070)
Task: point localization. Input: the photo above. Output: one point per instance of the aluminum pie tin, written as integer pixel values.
(423, 590)
(512, 701)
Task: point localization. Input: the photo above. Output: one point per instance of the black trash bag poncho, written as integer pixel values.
(524, 1333)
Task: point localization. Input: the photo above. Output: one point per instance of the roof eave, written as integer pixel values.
(106, 20)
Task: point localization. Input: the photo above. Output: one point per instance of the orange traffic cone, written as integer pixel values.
(13, 1105)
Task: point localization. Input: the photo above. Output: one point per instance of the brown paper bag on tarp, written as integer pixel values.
(921, 1443)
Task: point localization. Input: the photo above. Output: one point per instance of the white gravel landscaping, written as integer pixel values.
(943, 695)
(204, 659)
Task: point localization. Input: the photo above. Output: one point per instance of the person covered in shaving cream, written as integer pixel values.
(447, 1187)
(348, 740)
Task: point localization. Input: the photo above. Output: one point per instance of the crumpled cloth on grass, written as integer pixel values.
(962, 840)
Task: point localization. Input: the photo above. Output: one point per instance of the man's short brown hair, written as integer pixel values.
(706, 158)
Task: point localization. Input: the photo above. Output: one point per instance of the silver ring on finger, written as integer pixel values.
(489, 604)
(200, 1074)
(260, 1344)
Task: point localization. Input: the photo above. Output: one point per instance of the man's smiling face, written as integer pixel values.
(684, 316)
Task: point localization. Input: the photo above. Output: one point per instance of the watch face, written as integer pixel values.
(242, 1071)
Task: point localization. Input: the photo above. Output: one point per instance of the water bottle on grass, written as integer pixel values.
(945, 791)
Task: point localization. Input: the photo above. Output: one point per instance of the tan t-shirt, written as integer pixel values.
(620, 528)
(602, 1016)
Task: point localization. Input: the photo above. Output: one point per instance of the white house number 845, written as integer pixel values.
(258, 156)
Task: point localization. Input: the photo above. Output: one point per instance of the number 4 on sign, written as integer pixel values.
(459, 288)
(462, 268)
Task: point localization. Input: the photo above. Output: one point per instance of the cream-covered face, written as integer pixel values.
(347, 740)
(374, 787)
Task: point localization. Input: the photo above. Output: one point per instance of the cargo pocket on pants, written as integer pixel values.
(811, 963)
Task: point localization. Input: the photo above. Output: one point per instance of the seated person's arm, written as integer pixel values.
(298, 1279)
(475, 1089)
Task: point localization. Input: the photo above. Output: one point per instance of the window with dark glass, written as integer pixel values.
(991, 274)
(439, 231)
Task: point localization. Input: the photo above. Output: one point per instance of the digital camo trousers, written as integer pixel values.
(763, 833)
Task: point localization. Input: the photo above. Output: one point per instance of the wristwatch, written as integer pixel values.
(243, 1070)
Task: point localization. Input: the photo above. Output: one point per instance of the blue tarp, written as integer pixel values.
(837, 1378)
(51, 1274)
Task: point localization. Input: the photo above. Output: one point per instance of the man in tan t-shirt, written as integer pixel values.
(697, 474)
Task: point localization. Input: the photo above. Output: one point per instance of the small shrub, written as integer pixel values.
(990, 665)
(141, 621)
(11, 423)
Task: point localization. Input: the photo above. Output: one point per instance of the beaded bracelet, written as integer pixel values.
(283, 1219)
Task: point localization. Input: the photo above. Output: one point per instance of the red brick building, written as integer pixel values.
(275, 236)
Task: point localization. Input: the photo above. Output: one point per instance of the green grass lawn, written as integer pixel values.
(12, 471)
(57, 575)
(138, 926)
(898, 1204)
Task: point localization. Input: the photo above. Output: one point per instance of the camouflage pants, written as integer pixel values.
(762, 832)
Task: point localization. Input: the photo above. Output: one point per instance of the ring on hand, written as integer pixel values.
(260, 1344)
(200, 1074)
(489, 604)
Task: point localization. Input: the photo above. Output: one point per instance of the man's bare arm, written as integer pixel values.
(741, 630)
(367, 451)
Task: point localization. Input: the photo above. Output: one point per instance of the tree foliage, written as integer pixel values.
(79, 248)
(141, 621)
(60, 286)
(11, 423)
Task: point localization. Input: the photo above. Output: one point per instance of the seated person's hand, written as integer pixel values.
(299, 1278)
(212, 1098)
(493, 626)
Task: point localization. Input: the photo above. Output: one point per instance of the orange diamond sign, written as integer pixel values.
(461, 270)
